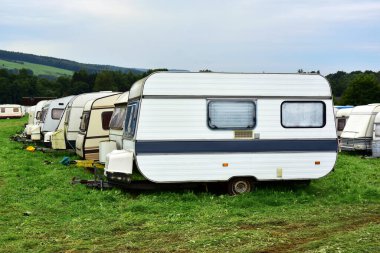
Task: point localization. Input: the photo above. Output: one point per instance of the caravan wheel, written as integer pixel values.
(238, 186)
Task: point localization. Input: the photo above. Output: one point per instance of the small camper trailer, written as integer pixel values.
(358, 132)
(341, 118)
(116, 128)
(10, 111)
(74, 114)
(236, 128)
(33, 124)
(94, 126)
(53, 117)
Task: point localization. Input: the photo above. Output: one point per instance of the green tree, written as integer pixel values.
(363, 89)
(105, 80)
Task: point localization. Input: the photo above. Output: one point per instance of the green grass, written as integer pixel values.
(339, 213)
(36, 68)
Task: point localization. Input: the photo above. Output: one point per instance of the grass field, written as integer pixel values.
(36, 68)
(41, 211)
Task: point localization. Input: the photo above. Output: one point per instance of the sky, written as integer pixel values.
(220, 35)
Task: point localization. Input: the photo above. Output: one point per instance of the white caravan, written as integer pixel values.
(115, 141)
(341, 118)
(237, 128)
(53, 116)
(33, 123)
(10, 111)
(74, 114)
(357, 134)
(94, 126)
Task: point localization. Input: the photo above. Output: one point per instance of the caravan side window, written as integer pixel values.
(106, 117)
(3, 109)
(15, 109)
(56, 113)
(131, 119)
(303, 114)
(231, 114)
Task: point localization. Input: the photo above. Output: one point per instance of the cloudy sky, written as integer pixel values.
(221, 35)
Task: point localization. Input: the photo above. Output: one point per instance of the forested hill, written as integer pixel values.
(63, 63)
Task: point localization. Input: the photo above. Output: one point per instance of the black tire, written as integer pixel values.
(238, 186)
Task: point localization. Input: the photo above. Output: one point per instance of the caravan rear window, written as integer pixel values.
(303, 114)
(106, 117)
(117, 118)
(131, 119)
(231, 114)
(377, 130)
(56, 113)
(38, 115)
(43, 114)
(341, 124)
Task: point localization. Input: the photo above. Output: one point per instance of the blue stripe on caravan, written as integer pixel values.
(235, 146)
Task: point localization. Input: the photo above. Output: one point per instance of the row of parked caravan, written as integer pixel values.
(10, 111)
(75, 122)
(359, 128)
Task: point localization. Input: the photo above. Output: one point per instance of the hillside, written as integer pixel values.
(38, 69)
(62, 63)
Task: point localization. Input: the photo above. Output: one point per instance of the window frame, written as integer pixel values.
(85, 113)
(2, 110)
(337, 123)
(121, 108)
(56, 109)
(101, 117)
(376, 126)
(253, 101)
(305, 102)
(127, 135)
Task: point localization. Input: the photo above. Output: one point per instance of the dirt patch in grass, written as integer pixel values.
(351, 224)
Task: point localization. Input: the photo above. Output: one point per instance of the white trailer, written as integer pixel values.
(236, 128)
(341, 117)
(74, 114)
(32, 129)
(358, 132)
(10, 111)
(53, 116)
(115, 141)
(94, 126)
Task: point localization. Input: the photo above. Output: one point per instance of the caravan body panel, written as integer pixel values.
(74, 113)
(94, 127)
(54, 114)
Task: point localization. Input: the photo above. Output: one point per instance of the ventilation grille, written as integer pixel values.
(243, 134)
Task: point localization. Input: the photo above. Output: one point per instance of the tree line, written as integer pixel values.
(353, 88)
(15, 85)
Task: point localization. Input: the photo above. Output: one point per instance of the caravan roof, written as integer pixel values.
(219, 85)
